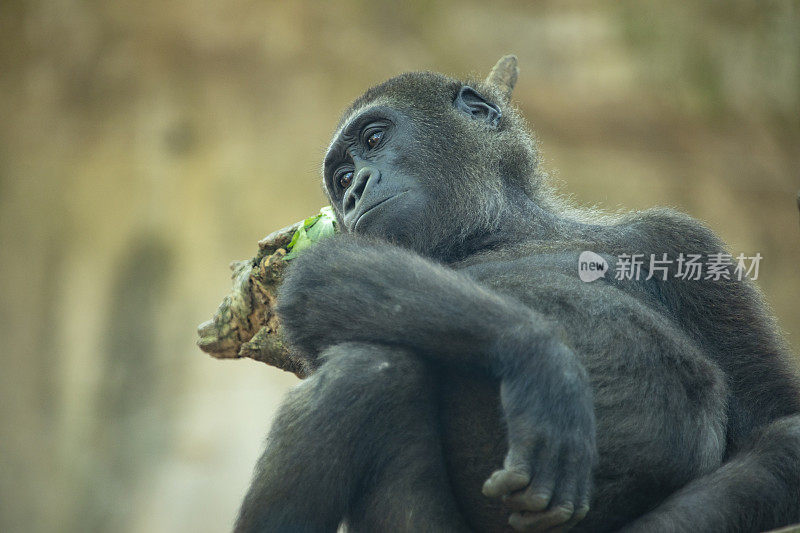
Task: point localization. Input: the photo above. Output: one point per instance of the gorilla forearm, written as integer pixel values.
(351, 289)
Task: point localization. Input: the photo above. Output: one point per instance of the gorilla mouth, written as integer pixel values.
(373, 207)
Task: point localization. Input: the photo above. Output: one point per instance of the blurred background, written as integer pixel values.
(144, 145)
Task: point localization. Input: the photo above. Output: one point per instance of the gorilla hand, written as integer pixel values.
(546, 475)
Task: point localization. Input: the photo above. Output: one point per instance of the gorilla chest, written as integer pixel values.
(474, 441)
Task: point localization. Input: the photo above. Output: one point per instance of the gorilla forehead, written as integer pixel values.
(424, 91)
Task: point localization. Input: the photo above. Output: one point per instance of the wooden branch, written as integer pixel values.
(245, 324)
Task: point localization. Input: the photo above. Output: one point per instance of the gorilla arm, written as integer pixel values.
(349, 289)
(727, 317)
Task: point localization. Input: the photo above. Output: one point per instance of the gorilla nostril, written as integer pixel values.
(360, 187)
(356, 189)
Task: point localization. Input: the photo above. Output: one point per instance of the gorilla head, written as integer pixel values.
(415, 154)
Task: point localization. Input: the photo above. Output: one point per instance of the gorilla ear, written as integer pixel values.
(469, 101)
(504, 75)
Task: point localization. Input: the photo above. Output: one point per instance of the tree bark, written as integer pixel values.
(245, 324)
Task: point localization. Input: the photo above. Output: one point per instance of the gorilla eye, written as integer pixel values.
(346, 179)
(374, 139)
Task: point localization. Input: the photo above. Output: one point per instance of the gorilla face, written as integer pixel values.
(388, 174)
(372, 190)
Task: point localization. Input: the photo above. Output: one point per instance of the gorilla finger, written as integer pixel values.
(573, 492)
(579, 514)
(582, 502)
(543, 481)
(553, 517)
(530, 499)
(504, 482)
(582, 499)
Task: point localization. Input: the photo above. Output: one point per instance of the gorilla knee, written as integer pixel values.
(361, 378)
(370, 363)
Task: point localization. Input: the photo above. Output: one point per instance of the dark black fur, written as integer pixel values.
(455, 338)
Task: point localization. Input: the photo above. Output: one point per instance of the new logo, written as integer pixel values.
(591, 266)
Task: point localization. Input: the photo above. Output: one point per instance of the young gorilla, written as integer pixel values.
(455, 336)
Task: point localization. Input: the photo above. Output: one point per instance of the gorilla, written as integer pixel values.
(469, 380)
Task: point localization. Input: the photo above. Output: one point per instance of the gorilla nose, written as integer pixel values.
(366, 177)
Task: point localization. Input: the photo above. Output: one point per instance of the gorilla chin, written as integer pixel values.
(393, 218)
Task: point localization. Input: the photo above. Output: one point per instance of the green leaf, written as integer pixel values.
(314, 230)
(321, 229)
(327, 212)
(299, 242)
(307, 223)
(294, 239)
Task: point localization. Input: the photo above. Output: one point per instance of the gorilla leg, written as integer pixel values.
(359, 440)
(758, 489)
